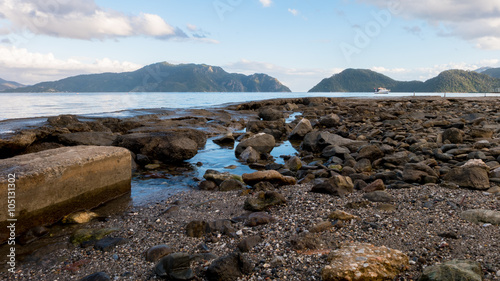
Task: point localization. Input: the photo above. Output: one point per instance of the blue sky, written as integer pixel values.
(299, 42)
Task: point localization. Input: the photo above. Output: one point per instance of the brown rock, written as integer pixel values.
(376, 185)
(341, 215)
(271, 176)
(321, 226)
(360, 261)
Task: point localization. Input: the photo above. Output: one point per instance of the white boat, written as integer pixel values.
(382, 91)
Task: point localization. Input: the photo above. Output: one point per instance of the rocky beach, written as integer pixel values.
(379, 189)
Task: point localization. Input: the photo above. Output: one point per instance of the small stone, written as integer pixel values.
(248, 243)
(376, 185)
(378, 196)
(98, 276)
(155, 253)
(79, 217)
(108, 243)
(453, 270)
(321, 226)
(341, 215)
(152, 166)
(176, 266)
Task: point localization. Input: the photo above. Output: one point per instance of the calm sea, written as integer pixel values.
(29, 105)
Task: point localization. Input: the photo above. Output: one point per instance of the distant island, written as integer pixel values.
(162, 77)
(450, 81)
(166, 77)
(9, 85)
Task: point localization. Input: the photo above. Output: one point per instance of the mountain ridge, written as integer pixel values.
(163, 77)
(6, 85)
(452, 81)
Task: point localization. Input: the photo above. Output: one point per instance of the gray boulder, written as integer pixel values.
(465, 270)
(301, 129)
(262, 143)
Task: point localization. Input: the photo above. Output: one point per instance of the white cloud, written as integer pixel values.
(21, 65)
(81, 20)
(293, 11)
(266, 3)
(476, 21)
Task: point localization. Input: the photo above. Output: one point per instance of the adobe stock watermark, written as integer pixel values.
(223, 6)
(363, 36)
(11, 222)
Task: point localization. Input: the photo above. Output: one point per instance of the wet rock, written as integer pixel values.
(334, 150)
(87, 138)
(337, 185)
(248, 243)
(70, 122)
(481, 216)
(32, 234)
(278, 129)
(263, 200)
(14, 144)
(207, 185)
(271, 176)
(142, 159)
(79, 217)
(453, 135)
(330, 120)
(218, 177)
(106, 244)
(270, 114)
(225, 140)
(157, 252)
(371, 152)
(176, 266)
(473, 174)
(169, 146)
(83, 235)
(263, 186)
(317, 141)
(453, 270)
(378, 196)
(98, 276)
(229, 267)
(250, 155)
(262, 143)
(376, 185)
(359, 261)
(258, 218)
(301, 129)
(293, 164)
(231, 184)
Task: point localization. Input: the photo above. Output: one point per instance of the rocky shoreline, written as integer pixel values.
(417, 178)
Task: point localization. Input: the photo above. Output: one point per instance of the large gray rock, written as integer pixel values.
(337, 185)
(481, 216)
(262, 143)
(87, 138)
(176, 266)
(419, 173)
(168, 146)
(270, 114)
(53, 183)
(465, 270)
(12, 144)
(317, 141)
(229, 268)
(471, 175)
(301, 129)
(453, 135)
(330, 120)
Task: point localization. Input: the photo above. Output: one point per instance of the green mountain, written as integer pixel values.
(8, 85)
(493, 72)
(164, 77)
(451, 81)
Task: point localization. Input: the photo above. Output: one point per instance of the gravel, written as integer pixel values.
(425, 225)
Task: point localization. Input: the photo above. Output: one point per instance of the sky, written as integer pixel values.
(299, 42)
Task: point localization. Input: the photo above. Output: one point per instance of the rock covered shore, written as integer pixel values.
(380, 190)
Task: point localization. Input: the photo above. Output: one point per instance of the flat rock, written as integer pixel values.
(271, 176)
(262, 143)
(360, 261)
(481, 216)
(378, 196)
(65, 180)
(453, 270)
(263, 200)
